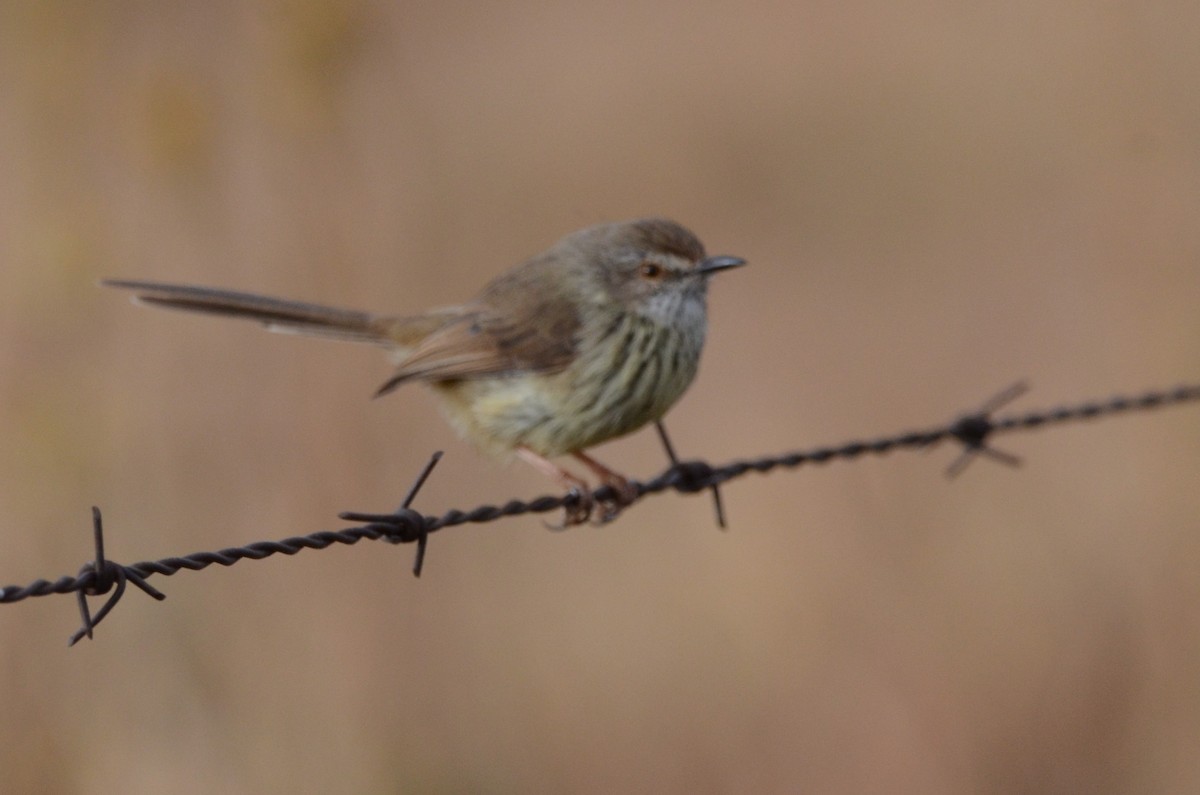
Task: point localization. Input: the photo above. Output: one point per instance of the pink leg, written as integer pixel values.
(582, 509)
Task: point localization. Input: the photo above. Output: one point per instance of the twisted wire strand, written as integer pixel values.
(973, 431)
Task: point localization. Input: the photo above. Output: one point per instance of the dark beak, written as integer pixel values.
(714, 264)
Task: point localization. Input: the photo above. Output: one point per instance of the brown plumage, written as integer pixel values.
(590, 340)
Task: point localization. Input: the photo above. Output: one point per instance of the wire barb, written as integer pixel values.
(406, 525)
(98, 577)
(692, 475)
(973, 430)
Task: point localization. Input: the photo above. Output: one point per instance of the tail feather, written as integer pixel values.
(274, 313)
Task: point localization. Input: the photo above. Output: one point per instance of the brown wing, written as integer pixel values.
(516, 326)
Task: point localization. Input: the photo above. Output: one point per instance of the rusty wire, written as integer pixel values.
(973, 431)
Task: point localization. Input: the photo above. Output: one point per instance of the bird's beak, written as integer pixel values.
(714, 264)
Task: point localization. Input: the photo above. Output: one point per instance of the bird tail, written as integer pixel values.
(278, 314)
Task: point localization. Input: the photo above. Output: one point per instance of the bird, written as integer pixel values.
(590, 340)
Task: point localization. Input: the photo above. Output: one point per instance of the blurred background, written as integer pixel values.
(936, 200)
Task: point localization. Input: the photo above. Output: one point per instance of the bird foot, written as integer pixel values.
(624, 492)
(577, 508)
(580, 502)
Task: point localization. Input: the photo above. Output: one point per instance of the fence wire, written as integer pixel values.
(973, 431)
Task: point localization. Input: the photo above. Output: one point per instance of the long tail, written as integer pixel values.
(274, 313)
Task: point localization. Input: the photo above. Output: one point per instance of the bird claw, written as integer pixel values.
(624, 495)
(577, 509)
(580, 504)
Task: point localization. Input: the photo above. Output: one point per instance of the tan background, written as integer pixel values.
(936, 198)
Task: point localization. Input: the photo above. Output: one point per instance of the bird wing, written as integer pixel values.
(505, 332)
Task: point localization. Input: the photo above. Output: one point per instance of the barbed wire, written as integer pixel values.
(973, 430)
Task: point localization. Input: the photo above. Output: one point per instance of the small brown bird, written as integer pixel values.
(587, 341)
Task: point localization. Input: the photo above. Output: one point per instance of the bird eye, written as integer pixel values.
(650, 271)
